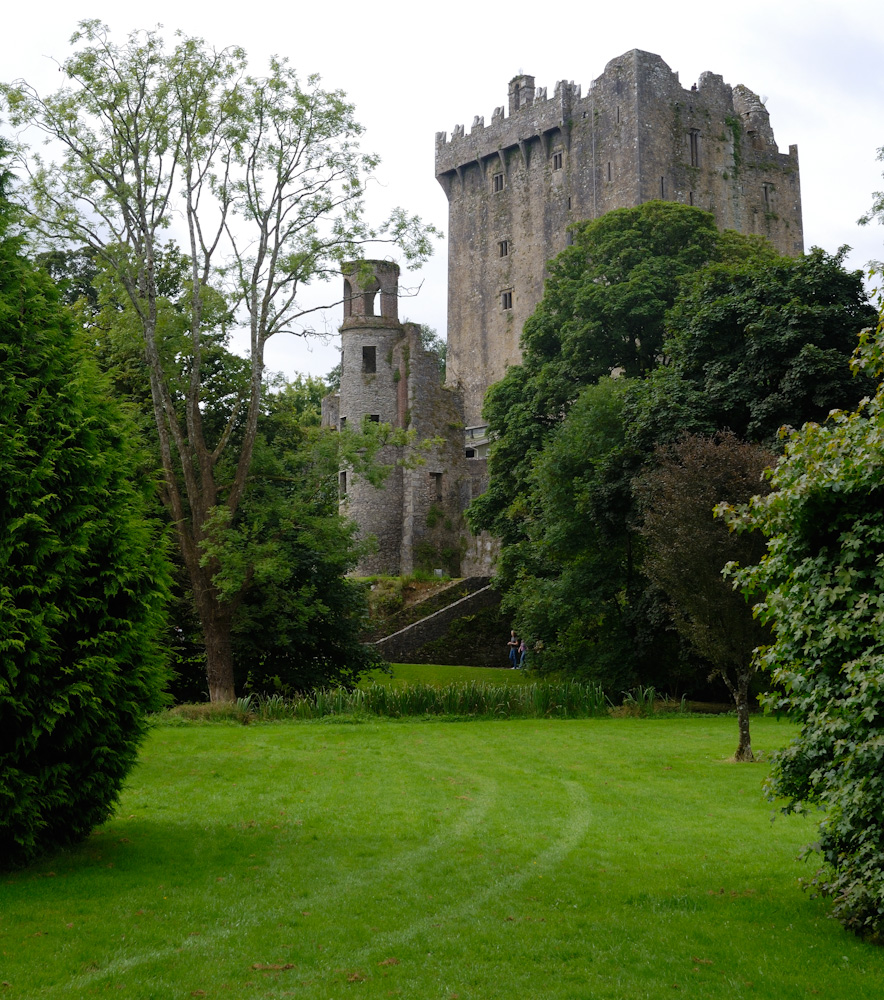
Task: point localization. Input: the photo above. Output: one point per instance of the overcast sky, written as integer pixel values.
(413, 70)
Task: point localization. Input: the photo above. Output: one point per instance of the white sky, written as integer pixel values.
(413, 70)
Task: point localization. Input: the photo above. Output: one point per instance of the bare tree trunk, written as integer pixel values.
(741, 698)
(740, 693)
(219, 663)
(216, 628)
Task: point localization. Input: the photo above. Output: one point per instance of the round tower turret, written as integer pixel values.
(373, 374)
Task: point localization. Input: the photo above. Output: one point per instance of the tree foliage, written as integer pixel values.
(82, 576)
(687, 548)
(299, 621)
(822, 592)
(604, 309)
(743, 340)
(265, 178)
(567, 577)
(758, 344)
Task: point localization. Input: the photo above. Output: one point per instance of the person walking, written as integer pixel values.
(513, 646)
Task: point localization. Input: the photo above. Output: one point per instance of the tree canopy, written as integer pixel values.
(820, 587)
(745, 340)
(603, 310)
(265, 178)
(757, 344)
(687, 549)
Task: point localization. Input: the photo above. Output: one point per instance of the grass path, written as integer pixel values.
(527, 859)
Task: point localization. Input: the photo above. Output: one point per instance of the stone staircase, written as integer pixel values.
(434, 620)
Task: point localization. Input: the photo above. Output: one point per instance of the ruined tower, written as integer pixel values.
(388, 377)
(515, 185)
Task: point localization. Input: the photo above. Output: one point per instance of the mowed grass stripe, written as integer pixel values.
(539, 858)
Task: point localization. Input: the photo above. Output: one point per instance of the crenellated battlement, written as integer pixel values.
(544, 162)
(531, 114)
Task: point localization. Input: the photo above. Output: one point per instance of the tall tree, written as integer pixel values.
(569, 579)
(757, 344)
(300, 625)
(266, 178)
(687, 549)
(821, 585)
(743, 339)
(83, 580)
(604, 309)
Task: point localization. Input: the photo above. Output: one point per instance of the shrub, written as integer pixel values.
(823, 586)
(82, 578)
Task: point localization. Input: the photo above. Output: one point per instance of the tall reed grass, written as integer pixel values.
(475, 699)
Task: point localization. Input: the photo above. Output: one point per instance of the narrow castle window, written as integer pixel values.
(557, 160)
(503, 248)
(497, 181)
(618, 114)
(375, 418)
(437, 484)
(694, 141)
(767, 188)
(569, 203)
(342, 484)
(690, 197)
(506, 300)
(369, 360)
(343, 422)
(662, 188)
(609, 169)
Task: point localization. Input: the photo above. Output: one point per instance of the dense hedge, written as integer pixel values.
(82, 578)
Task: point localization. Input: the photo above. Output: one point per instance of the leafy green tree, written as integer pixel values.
(82, 576)
(743, 340)
(687, 548)
(266, 179)
(820, 589)
(282, 556)
(567, 579)
(758, 344)
(604, 309)
(74, 273)
(299, 624)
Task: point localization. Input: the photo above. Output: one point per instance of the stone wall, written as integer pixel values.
(416, 517)
(516, 184)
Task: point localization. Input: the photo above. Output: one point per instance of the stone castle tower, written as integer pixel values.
(388, 377)
(513, 189)
(515, 185)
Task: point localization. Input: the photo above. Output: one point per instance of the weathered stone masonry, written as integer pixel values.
(515, 185)
(389, 377)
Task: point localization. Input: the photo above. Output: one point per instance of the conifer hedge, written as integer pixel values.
(82, 577)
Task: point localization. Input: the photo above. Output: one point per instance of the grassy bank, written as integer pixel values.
(600, 858)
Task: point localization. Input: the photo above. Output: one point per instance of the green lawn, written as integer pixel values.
(440, 674)
(529, 859)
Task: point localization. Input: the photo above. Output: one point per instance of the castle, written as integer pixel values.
(513, 189)
(388, 377)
